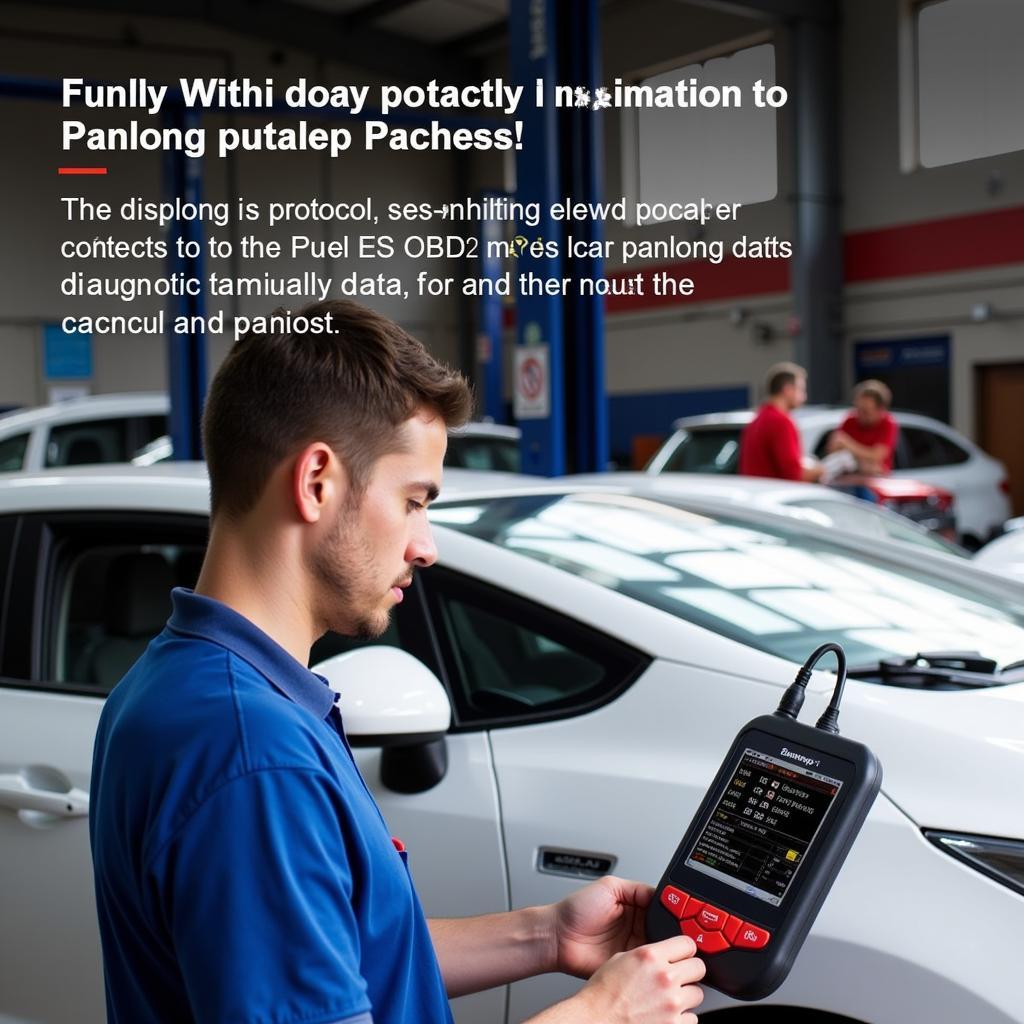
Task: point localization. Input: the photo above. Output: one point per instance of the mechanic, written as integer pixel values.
(770, 443)
(869, 431)
(243, 871)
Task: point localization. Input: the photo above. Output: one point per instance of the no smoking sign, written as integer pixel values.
(533, 386)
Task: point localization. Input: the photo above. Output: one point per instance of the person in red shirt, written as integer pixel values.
(770, 445)
(869, 431)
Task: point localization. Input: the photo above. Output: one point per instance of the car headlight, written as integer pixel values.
(1001, 859)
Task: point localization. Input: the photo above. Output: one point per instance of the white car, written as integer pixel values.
(1004, 555)
(927, 450)
(478, 446)
(82, 431)
(824, 506)
(599, 651)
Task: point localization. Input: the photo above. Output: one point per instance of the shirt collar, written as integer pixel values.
(205, 617)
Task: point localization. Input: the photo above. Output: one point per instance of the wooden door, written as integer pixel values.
(1000, 417)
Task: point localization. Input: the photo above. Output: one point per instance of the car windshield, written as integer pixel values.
(705, 450)
(780, 588)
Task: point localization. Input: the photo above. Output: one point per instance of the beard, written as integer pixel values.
(343, 571)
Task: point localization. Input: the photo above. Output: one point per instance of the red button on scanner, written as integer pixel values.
(673, 900)
(711, 918)
(732, 926)
(707, 942)
(750, 936)
(693, 908)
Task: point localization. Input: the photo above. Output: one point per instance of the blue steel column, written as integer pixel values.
(491, 312)
(533, 52)
(186, 353)
(583, 161)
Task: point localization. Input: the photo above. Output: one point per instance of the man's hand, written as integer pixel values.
(836, 442)
(655, 984)
(595, 923)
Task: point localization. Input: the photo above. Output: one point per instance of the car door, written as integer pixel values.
(62, 641)
(85, 593)
(601, 754)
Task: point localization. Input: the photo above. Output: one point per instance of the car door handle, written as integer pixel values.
(18, 794)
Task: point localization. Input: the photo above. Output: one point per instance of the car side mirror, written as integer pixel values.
(390, 699)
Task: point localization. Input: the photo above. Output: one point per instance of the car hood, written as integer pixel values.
(951, 760)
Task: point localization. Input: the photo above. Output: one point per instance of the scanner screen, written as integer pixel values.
(758, 835)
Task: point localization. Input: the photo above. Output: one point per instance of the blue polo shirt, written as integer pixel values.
(243, 870)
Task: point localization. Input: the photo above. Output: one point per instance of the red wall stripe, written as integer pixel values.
(968, 242)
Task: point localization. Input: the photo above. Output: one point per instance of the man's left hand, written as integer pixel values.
(595, 923)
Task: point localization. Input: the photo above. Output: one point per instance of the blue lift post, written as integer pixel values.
(582, 161)
(532, 42)
(186, 350)
(491, 316)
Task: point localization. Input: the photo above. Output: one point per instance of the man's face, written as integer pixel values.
(367, 557)
(869, 412)
(795, 394)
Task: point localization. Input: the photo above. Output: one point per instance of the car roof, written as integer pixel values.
(182, 487)
(482, 429)
(90, 407)
(727, 486)
(175, 486)
(808, 417)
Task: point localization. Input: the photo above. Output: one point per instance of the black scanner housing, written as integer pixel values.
(754, 974)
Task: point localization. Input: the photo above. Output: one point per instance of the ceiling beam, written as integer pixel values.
(373, 11)
(774, 10)
(478, 37)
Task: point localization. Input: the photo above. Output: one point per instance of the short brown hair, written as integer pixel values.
(874, 389)
(781, 375)
(350, 387)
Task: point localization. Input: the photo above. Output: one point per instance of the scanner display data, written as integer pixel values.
(763, 825)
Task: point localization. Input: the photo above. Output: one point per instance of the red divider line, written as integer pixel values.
(81, 170)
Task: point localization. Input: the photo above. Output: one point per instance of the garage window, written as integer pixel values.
(963, 81)
(722, 153)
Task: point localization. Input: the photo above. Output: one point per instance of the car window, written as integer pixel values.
(867, 520)
(87, 443)
(147, 429)
(512, 661)
(925, 449)
(782, 588)
(115, 599)
(707, 450)
(12, 453)
(493, 453)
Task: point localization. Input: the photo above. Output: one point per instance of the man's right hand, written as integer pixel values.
(653, 984)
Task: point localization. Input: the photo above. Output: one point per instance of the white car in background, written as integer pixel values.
(1004, 555)
(599, 651)
(82, 431)
(478, 446)
(927, 450)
